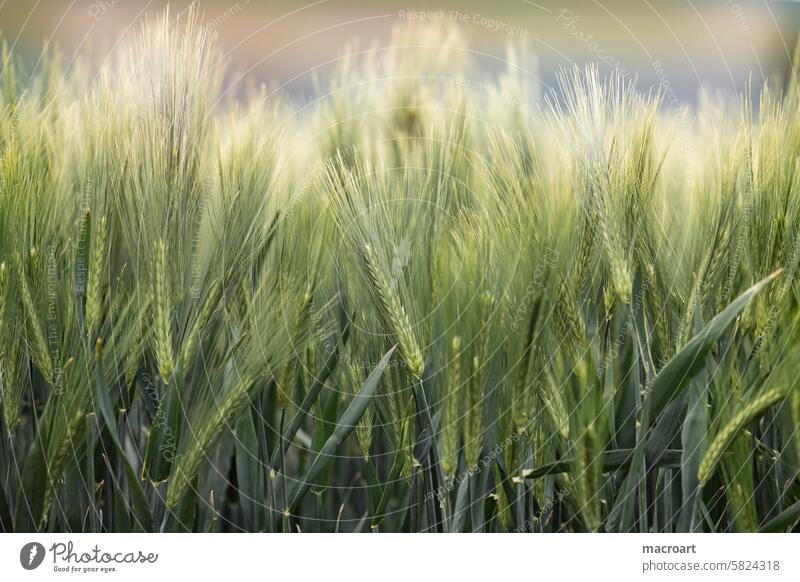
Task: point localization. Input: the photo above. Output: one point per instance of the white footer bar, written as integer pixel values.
(390, 557)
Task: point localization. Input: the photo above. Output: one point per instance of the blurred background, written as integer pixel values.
(681, 45)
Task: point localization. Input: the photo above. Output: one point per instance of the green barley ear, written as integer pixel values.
(392, 311)
(9, 408)
(473, 418)
(588, 472)
(569, 318)
(285, 383)
(658, 301)
(94, 299)
(161, 304)
(364, 430)
(366, 425)
(309, 367)
(450, 412)
(200, 324)
(686, 324)
(621, 279)
(487, 311)
(356, 376)
(3, 281)
(40, 353)
(187, 464)
(724, 438)
(290, 374)
(523, 397)
(739, 484)
(11, 386)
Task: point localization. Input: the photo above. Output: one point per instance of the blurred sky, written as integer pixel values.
(680, 44)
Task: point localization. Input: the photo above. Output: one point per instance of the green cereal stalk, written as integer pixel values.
(738, 479)
(3, 281)
(9, 414)
(162, 320)
(57, 457)
(588, 476)
(364, 431)
(473, 424)
(133, 356)
(309, 367)
(200, 324)
(41, 354)
(724, 438)
(796, 419)
(395, 315)
(94, 298)
(687, 321)
(523, 404)
(284, 384)
(450, 419)
(190, 460)
(586, 246)
(473, 417)
(659, 304)
(356, 376)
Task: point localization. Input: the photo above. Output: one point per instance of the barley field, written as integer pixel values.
(414, 302)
